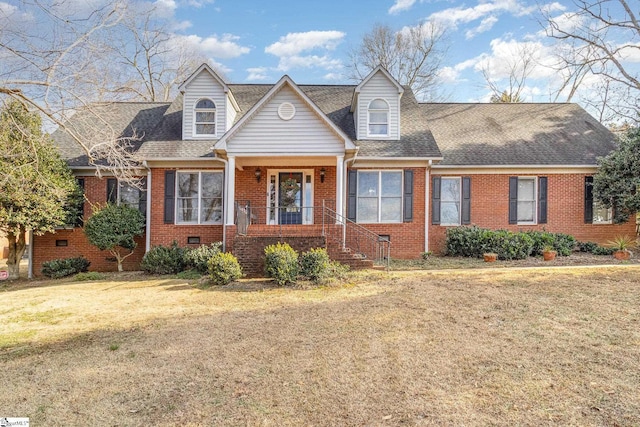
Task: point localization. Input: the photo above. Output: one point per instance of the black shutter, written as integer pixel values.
(80, 219)
(435, 200)
(408, 196)
(588, 199)
(513, 200)
(142, 197)
(169, 196)
(112, 190)
(542, 200)
(466, 200)
(352, 194)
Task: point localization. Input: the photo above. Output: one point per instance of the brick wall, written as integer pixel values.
(165, 234)
(407, 239)
(250, 250)
(45, 249)
(565, 214)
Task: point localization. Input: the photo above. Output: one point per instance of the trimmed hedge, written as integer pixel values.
(65, 267)
(164, 259)
(474, 241)
(224, 268)
(281, 263)
(198, 258)
(315, 265)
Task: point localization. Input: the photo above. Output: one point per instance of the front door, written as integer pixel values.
(290, 197)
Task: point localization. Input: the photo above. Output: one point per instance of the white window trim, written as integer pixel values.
(535, 200)
(176, 197)
(459, 178)
(205, 110)
(388, 111)
(379, 221)
(276, 172)
(593, 209)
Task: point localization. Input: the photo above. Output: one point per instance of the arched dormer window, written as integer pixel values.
(205, 117)
(378, 118)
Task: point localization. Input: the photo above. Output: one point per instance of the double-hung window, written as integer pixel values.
(527, 200)
(199, 197)
(123, 193)
(450, 196)
(379, 196)
(205, 117)
(378, 118)
(601, 215)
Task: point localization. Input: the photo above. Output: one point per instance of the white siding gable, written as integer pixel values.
(204, 85)
(267, 133)
(378, 86)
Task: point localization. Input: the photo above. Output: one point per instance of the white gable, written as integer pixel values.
(378, 85)
(285, 125)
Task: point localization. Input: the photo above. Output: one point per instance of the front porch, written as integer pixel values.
(304, 228)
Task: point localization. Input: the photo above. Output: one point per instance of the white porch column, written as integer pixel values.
(231, 191)
(339, 184)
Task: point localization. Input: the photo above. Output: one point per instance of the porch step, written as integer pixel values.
(345, 256)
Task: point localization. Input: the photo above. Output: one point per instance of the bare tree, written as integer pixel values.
(152, 60)
(507, 79)
(598, 39)
(412, 55)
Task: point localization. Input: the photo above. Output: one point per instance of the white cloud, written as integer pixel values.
(257, 73)
(314, 44)
(216, 46)
(486, 24)
(455, 16)
(332, 76)
(218, 66)
(295, 43)
(181, 25)
(401, 5)
(552, 7)
(452, 74)
(310, 61)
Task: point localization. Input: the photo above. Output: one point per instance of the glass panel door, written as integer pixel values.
(290, 196)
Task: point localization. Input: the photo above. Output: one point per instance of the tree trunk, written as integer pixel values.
(17, 246)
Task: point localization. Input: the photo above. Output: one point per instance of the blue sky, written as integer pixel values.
(257, 41)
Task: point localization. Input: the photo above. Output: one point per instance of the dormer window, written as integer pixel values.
(378, 118)
(205, 118)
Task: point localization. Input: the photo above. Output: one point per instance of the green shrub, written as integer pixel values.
(65, 267)
(189, 275)
(224, 268)
(510, 245)
(198, 258)
(564, 244)
(90, 275)
(281, 263)
(467, 241)
(541, 239)
(164, 259)
(601, 250)
(337, 270)
(314, 264)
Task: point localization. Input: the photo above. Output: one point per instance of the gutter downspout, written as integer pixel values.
(30, 271)
(345, 176)
(427, 196)
(148, 225)
(226, 199)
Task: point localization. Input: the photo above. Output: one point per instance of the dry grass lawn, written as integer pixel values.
(526, 347)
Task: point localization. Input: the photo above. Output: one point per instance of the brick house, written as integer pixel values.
(346, 166)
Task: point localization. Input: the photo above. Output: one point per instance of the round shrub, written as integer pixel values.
(224, 268)
(198, 258)
(63, 267)
(281, 263)
(164, 259)
(315, 264)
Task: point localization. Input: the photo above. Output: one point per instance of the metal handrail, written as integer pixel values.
(272, 220)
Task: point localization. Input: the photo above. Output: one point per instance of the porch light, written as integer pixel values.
(323, 172)
(258, 173)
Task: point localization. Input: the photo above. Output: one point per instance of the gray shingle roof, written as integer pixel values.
(466, 134)
(517, 134)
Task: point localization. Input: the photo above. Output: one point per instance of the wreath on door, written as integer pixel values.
(289, 189)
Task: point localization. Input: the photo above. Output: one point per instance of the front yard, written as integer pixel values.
(456, 347)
